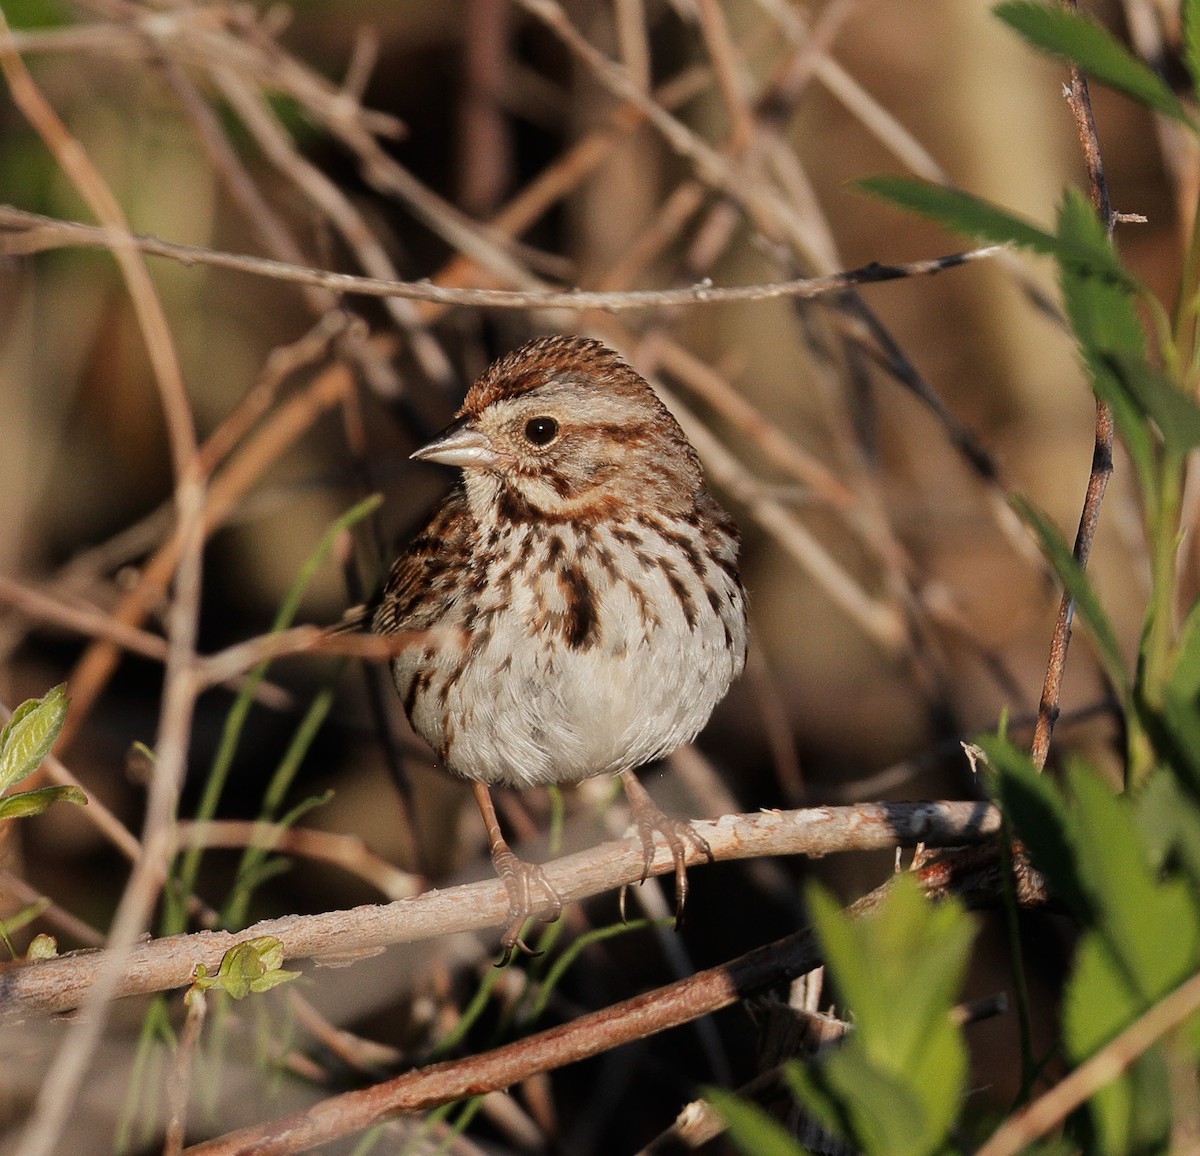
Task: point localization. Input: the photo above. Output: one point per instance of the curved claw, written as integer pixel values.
(649, 820)
(523, 881)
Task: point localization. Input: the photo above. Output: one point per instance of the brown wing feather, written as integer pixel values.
(425, 581)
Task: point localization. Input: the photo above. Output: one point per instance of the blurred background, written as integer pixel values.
(897, 607)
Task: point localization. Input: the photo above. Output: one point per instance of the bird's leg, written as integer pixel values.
(522, 880)
(677, 832)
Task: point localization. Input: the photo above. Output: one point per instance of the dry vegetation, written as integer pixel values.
(253, 259)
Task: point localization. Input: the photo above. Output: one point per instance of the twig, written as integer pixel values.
(39, 233)
(67, 1071)
(587, 1035)
(348, 852)
(287, 423)
(1102, 461)
(57, 985)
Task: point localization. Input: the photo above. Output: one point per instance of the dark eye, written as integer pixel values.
(541, 431)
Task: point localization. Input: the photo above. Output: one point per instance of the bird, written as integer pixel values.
(574, 605)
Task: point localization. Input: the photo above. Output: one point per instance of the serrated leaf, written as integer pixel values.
(899, 969)
(1095, 50)
(752, 1130)
(26, 803)
(1075, 582)
(973, 216)
(29, 735)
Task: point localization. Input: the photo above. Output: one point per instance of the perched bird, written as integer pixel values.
(575, 598)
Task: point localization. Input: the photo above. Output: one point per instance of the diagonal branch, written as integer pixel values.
(57, 985)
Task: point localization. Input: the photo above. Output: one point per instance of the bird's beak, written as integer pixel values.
(461, 443)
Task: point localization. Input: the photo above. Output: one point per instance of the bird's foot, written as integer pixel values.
(530, 896)
(681, 837)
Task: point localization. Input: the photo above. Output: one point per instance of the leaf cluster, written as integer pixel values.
(1125, 866)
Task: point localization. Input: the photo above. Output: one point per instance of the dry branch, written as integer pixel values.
(25, 233)
(58, 985)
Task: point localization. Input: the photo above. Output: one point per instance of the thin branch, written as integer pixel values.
(57, 985)
(585, 1036)
(58, 1090)
(32, 232)
(1049, 707)
(348, 852)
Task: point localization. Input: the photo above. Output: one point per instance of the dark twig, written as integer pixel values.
(1049, 707)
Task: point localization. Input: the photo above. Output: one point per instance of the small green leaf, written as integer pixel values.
(29, 735)
(1075, 582)
(42, 947)
(1168, 822)
(1180, 717)
(1150, 926)
(251, 966)
(1095, 50)
(26, 803)
(1099, 1003)
(1102, 315)
(753, 1131)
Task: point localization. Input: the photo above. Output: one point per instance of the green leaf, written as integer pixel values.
(251, 966)
(30, 734)
(1075, 582)
(1180, 715)
(899, 969)
(1038, 812)
(1168, 822)
(41, 947)
(1099, 1003)
(26, 803)
(975, 217)
(1190, 16)
(1106, 326)
(753, 1131)
(1176, 415)
(1095, 50)
(1151, 927)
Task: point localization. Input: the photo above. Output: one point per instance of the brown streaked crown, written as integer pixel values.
(546, 359)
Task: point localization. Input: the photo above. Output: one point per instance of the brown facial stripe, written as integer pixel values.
(512, 507)
(625, 433)
(581, 624)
